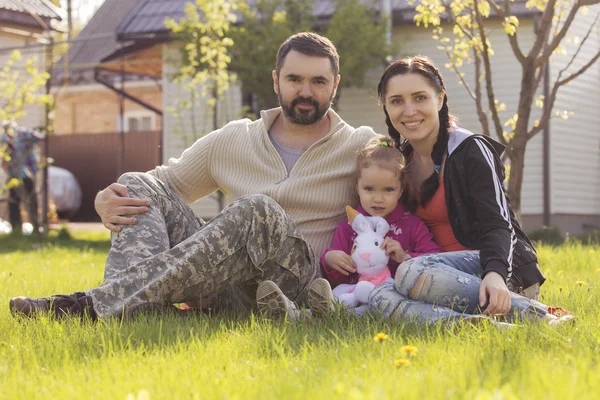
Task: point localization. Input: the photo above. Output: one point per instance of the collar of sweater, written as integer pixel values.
(269, 116)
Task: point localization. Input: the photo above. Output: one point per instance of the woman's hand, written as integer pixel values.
(494, 292)
(394, 250)
(113, 205)
(339, 261)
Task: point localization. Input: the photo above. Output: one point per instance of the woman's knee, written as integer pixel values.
(413, 278)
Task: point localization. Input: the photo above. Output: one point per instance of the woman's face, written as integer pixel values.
(413, 105)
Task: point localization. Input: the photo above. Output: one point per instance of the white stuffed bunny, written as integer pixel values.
(371, 261)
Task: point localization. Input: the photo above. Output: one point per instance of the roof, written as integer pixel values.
(120, 22)
(96, 41)
(41, 8)
(147, 20)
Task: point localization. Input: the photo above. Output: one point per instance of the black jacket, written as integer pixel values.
(479, 211)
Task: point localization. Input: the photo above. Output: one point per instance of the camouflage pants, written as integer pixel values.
(449, 291)
(172, 256)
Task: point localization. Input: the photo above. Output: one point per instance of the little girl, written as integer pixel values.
(378, 173)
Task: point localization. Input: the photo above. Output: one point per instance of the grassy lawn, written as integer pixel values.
(245, 357)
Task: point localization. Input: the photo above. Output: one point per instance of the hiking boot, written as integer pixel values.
(320, 297)
(273, 303)
(76, 304)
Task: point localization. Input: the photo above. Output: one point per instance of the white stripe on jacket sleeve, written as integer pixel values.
(500, 201)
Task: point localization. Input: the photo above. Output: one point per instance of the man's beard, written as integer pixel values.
(301, 116)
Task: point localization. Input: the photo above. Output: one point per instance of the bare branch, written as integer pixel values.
(488, 72)
(512, 39)
(586, 37)
(588, 2)
(545, 26)
(550, 47)
(483, 118)
(560, 82)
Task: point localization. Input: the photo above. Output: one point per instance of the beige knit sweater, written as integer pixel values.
(240, 160)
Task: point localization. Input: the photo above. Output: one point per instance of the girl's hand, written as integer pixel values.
(339, 261)
(494, 288)
(394, 250)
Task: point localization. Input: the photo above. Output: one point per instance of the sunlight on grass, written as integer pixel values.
(243, 356)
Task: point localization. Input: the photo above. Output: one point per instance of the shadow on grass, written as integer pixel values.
(56, 238)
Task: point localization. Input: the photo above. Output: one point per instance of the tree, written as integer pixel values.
(264, 27)
(20, 84)
(469, 42)
(357, 33)
(360, 39)
(205, 42)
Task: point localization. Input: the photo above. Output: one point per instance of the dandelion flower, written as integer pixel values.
(380, 337)
(410, 350)
(560, 272)
(597, 269)
(580, 283)
(401, 362)
(592, 251)
(482, 337)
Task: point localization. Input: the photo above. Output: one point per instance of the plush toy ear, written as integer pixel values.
(351, 213)
(379, 225)
(361, 225)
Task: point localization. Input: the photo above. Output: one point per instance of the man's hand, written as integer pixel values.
(394, 250)
(493, 291)
(339, 261)
(113, 205)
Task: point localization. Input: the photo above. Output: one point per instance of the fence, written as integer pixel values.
(94, 160)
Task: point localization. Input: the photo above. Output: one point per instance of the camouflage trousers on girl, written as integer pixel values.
(444, 287)
(172, 256)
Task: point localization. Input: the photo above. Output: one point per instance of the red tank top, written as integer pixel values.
(435, 216)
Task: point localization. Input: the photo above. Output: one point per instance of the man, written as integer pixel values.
(290, 173)
(19, 144)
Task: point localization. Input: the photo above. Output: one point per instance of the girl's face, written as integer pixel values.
(379, 190)
(413, 105)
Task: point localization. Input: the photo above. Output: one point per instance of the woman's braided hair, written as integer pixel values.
(425, 67)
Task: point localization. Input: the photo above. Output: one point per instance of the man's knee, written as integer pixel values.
(263, 204)
(129, 178)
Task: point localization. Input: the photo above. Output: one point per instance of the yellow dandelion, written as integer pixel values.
(401, 362)
(380, 337)
(592, 251)
(560, 272)
(597, 269)
(29, 266)
(409, 350)
(482, 337)
(580, 283)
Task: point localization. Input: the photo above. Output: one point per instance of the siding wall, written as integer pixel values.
(179, 132)
(575, 143)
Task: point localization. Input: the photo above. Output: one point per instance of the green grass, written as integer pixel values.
(245, 357)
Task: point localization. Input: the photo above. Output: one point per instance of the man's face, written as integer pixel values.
(305, 87)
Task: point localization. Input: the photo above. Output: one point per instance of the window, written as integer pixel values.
(138, 121)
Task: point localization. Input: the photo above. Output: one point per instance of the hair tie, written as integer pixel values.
(437, 169)
(384, 143)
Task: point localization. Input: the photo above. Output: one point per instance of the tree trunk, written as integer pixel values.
(515, 180)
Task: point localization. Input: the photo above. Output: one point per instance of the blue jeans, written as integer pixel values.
(448, 289)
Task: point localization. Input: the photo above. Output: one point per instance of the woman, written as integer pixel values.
(454, 183)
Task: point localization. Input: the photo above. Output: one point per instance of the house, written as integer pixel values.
(23, 26)
(571, 150)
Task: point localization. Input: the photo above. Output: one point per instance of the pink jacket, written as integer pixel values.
(406, 228)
